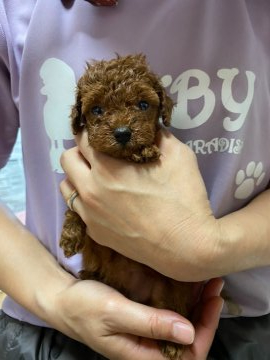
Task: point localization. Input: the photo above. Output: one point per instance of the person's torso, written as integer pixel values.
(213, 58)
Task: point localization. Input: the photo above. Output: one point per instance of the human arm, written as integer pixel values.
(159, 214)
(87, 311)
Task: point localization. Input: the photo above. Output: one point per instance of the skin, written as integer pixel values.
(118, 201)
(94, 313)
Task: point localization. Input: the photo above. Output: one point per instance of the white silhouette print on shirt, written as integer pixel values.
(59, 87)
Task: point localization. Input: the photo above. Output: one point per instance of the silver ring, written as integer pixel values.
(71, 199)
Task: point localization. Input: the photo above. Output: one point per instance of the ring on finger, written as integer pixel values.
(71, 199)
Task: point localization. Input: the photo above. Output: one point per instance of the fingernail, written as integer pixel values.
(183, 333)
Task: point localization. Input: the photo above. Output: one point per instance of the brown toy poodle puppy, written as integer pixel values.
(120, 103)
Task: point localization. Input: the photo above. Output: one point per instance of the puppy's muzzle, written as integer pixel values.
(122, 135)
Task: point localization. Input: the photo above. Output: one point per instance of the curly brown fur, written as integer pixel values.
(120, 103)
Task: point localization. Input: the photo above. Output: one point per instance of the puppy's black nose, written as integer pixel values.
(122, 134)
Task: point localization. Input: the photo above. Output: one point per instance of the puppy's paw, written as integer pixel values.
(69, 246)
(150, 153)
(171, 350)
(73, 234)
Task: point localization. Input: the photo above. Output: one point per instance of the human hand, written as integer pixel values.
(120, 329)
(156, 213)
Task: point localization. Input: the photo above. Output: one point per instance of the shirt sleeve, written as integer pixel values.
(9, 116)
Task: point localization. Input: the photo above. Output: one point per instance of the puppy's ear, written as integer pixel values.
(166, 106)
(77, 118)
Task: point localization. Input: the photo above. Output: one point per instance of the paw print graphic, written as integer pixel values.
(246, 180)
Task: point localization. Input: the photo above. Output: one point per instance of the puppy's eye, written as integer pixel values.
(97, 110)
(143, 105)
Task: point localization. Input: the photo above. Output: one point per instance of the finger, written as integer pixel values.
(67, 189)
(208, 319)
(211, 314)
(85, 149)
(206, 327)
(152, 323)
(76, 168)
(212, 288)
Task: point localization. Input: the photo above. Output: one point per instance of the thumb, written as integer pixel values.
(148, 322)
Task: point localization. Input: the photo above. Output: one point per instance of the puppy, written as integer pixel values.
(121, 103)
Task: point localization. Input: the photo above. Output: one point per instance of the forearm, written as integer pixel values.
(26, 264)
(245, 236)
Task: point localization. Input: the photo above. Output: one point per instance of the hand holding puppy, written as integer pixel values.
(157, 214)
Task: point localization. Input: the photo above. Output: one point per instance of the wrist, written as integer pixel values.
(190, 250)
(46, 297)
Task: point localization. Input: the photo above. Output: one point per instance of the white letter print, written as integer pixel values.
(181, 118)
(229, 103)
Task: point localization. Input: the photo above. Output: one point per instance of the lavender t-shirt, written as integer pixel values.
(213, 57)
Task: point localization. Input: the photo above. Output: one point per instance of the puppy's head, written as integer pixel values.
(120, 103)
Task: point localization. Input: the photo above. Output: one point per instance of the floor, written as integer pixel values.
(12, 186)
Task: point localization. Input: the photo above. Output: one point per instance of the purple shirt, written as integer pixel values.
(213, 57)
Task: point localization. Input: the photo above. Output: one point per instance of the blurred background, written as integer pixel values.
(12, 186)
